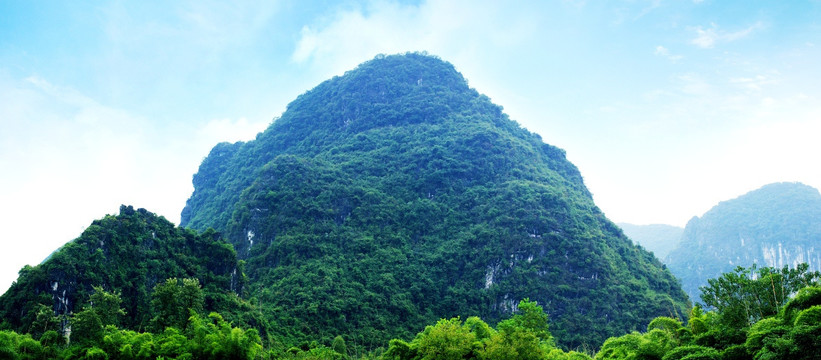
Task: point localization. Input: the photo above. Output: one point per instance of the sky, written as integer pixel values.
(666, 107)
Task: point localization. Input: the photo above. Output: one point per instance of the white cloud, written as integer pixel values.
(646, 10)
(455, 30)
(754, 83)
(307, 45)
(694, 84)
(705, 38)
(664, 52)
(709, 37)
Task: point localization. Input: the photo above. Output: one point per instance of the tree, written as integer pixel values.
(794, 334)
(44, 321)
(107, 305)
(86, 327)
(523, 336)
(446, 340)
(102, 309)
(745, 295)
(173, 301)
(217, 339)
(339, 346)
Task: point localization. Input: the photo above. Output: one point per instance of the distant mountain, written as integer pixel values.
(395, 195)
(658, 238)
(776, 225)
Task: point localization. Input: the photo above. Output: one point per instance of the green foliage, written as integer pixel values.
(779, 328)
(86, 327)
(173, 301)
(651, 345)
(211, 338)
(107, 306)
(673, 328)
(558, 354)
(395, 195)
(692, 352)
(95, 353)
(698, 320)
(764, 334)
(523, 336)
(44, 321)
(217, 339)
(745, 296)
(339, 346)
(446, 340)
(804, 299)
(16, 346)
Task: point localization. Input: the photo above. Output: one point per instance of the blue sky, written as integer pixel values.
(666, 107)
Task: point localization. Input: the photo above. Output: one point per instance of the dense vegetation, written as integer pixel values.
(95, 332)
(753, 315)
(95, 335)
(657, 238)
(128, 254)
(776, 225)
(395, 195)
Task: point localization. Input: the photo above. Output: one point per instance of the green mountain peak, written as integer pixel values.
(395, 195)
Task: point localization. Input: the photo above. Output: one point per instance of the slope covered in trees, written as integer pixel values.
(395, 195)
(127, 254)
(777, 225)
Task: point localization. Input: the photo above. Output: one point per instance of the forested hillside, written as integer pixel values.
(128, 254)
(395, 195)
(777, 225)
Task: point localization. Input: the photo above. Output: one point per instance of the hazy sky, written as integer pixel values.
(666, 107)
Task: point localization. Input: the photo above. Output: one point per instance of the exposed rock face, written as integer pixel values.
(777, 225)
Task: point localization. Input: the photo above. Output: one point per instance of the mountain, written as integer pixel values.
(776, 225)
(658, 238)
(128, 253)
(394, 195)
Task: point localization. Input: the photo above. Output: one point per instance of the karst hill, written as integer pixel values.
(395, 195)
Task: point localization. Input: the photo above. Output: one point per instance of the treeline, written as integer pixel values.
(178, 330)
(93, 333)
(754, 313)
